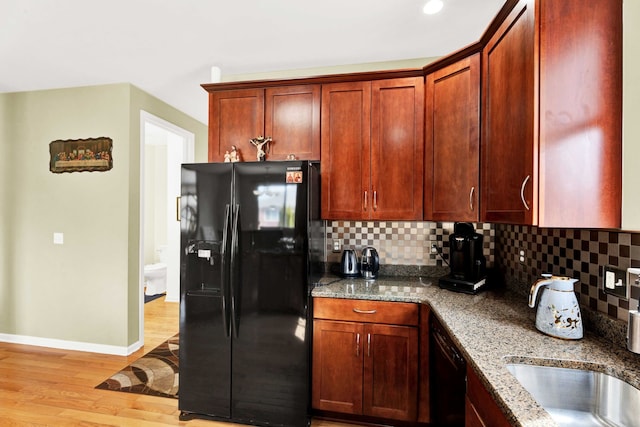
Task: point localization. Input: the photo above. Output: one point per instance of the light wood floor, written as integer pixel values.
(48, 387)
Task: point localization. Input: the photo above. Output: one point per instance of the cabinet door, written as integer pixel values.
(345, 154)
(235, 117)
(337, 366)
(391, 371)
(471, 416)
(292, 119)
(452, 142)
(508, 165)
(580, 114)
(480, 408)
(397, 148)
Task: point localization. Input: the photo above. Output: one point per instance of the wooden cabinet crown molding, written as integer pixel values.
(457, 56)
(324, 79)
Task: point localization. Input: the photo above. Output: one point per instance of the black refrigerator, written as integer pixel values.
(251, 242)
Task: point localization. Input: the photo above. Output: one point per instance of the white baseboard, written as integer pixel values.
(71, 345)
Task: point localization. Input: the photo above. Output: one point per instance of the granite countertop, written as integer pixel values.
(492, 329)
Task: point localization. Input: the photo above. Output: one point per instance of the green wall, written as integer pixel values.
(6, 214)
(143, 101)
(86, 290)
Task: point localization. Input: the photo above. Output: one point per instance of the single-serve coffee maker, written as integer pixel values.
(370, 263)
(467, 262)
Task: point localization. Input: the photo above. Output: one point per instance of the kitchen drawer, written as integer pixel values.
(395, 313)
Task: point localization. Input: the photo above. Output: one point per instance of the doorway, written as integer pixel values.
(163, 148)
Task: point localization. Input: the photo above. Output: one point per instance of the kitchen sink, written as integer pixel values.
(577, 397)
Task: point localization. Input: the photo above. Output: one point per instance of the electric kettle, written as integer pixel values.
(558, 312)
(370, 263)
(349, 264)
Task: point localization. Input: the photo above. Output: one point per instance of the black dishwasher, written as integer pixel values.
(448, 378)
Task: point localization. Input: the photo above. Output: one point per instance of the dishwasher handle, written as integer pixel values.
(449, 350)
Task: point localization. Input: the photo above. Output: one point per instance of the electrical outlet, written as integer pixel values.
(522, 256)
(337, 245)
(633, 276)
(614, 282)
(434, 249)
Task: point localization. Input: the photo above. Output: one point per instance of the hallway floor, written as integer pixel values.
(50, 387)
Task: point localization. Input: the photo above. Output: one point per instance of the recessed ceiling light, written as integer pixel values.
(432, 6)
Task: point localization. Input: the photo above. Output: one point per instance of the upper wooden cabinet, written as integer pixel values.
(288, 114)
(372, 149)
(551, 150)
(452, 142)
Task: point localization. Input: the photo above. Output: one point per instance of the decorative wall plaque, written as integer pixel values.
(79, 155)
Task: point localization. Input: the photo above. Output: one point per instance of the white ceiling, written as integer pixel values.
(167, 47)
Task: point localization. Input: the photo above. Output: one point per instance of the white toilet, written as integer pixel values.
(155, 275)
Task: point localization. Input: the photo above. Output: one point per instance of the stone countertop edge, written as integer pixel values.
(491, 329)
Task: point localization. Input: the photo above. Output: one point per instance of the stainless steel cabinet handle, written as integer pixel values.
(368, 345)
(375, 200)
(178, 208)
(357, 344)
(357, 310)
(365, 200)
(524, 184)
(473, 189)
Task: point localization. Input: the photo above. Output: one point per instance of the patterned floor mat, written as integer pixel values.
(155, 373)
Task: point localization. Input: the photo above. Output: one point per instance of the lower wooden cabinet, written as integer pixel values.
(365, 367)
(480, 408)
(471, 416)
(337, 366)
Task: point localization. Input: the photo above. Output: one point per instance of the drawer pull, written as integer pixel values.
(357, 310)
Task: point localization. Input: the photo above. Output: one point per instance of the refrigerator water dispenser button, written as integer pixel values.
(204, 253)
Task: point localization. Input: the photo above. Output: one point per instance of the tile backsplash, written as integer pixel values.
(569, 252)
(402, 243)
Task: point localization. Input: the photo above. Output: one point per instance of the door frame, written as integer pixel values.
(188, 156)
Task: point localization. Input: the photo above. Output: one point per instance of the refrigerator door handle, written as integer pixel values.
(234, 269)
(224, 279)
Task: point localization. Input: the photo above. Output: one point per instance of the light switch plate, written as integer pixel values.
(58, 238)
(614, 282)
